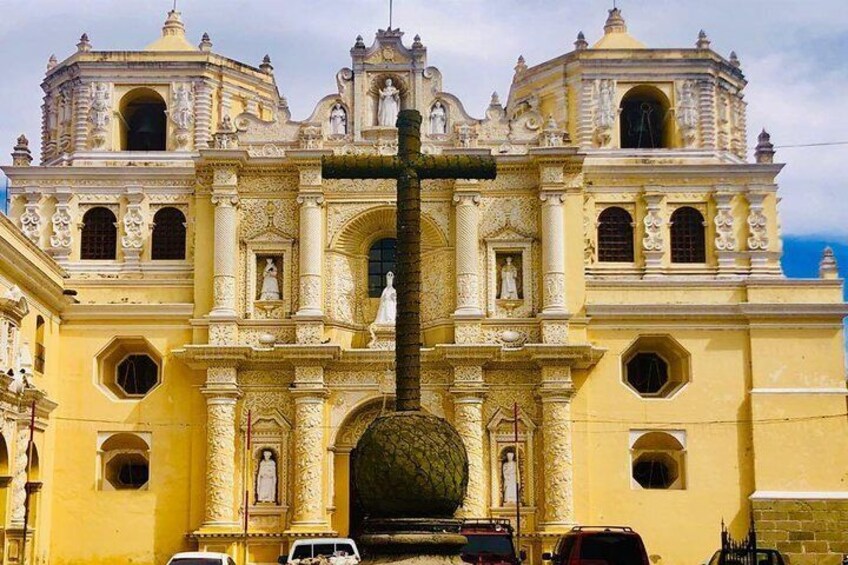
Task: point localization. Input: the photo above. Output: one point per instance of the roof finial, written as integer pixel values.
(581, 42)
(734, 59)
(173, 24)
(84, 45)
(266, 66)
(21, 155)
(205, 43)
(615, 22)
(52, 62)
(764, 152)
(520, 66)
(703, 40)
(828, 268)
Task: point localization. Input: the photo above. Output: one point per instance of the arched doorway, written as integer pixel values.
(348, 515)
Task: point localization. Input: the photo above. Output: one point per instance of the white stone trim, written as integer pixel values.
(801, 390)
(805, 495)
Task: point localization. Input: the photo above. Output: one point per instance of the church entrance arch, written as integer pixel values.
(348, 515)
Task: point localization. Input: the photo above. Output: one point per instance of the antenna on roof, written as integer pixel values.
(614, 6)
(175, 5)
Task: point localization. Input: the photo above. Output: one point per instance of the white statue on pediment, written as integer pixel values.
(387, 312)
(338, 120)
(389, 105)
(438, 120)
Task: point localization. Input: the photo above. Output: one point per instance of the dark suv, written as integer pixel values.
(599, 545)
(489, 543)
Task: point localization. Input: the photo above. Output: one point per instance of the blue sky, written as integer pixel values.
(793, 54)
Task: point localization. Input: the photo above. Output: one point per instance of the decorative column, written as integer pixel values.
(310, 328)
(725, 240)
(758, 237)
(226, 200)
(706, 112)
(61, 239)
(82, 99)
(31, 218)
(653, 240)
(221, 392)
(132, 241)
(309, 404)
(555, 393)
(467, 248)
(203, 115)
(468, 394)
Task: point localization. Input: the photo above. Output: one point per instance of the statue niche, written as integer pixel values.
(266, 478)
(389, 94)
(269, 281)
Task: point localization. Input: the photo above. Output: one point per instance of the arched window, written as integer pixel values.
(40, 351)
(381, 260)
(124, 462)
(615, 236)
(143, 123)
(99, 234)
(688, 240)
(644, 110)
(169, 235)
(657, 461)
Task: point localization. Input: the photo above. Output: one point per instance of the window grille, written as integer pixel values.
(381, 260)
(615, 236)
(688, 241)
(169, 235)
(99, 239)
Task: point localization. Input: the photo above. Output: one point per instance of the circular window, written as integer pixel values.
(647, 373)
(136, 375)
(655, 471)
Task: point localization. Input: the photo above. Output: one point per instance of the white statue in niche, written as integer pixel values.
(387, 311)
(338, 120)
(270, 282)
(438, 119)
(509, 478)
(509, 281)
(389, 105)
(266, 479)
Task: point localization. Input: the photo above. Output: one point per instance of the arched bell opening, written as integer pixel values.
(144, 124)
(644, 119)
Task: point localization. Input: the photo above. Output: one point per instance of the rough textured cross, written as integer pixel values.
(409, 167)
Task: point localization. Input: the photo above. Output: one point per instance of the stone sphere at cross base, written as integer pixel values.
(410, 465)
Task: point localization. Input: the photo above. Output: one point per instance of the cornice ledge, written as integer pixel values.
(177, 311)
(467, 355)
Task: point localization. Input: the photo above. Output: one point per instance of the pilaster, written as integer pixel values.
(555, 393)
(222, 393)
(223, 329)
(132, 242)
(31, 218)
(82, 102)
(653, 240)
(203, 115)
(467, 202)
(310, 396)
(758, 234)
(61, 239)
(469, 392)
(725, 239)
(310, 326)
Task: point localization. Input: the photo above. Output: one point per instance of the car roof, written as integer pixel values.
(322, 540)
(207, 554)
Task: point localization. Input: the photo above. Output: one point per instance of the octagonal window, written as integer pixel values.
(129, 368)
(137, 375)
(655, 366)
(124, 461)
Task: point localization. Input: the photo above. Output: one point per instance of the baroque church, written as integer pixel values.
(606, 324)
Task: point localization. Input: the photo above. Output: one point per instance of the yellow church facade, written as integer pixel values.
(606, 324)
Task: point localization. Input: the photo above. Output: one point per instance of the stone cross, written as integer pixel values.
(409, 167)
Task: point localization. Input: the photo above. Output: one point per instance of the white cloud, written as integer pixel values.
(792, 53)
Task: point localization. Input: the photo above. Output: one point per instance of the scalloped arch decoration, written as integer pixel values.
(358, 234)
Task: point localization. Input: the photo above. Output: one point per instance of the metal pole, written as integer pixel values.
(517, 480)
(246, 483)
(27, 484)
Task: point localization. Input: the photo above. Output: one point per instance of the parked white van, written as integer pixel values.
(336, 551)
(201, 558)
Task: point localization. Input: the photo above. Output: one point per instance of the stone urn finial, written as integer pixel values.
(828, 268)
(21, 155)
(581, 42)
(703, 40)
(360, 43)
(734, 59)
(52, 62)
(84, 45)
(520, 66)
(266, 66)
(205, 43)
(764, 152)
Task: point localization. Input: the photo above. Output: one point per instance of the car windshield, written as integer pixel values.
(302, 552)
(195, 561)
(492, 545)
(612, 549)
